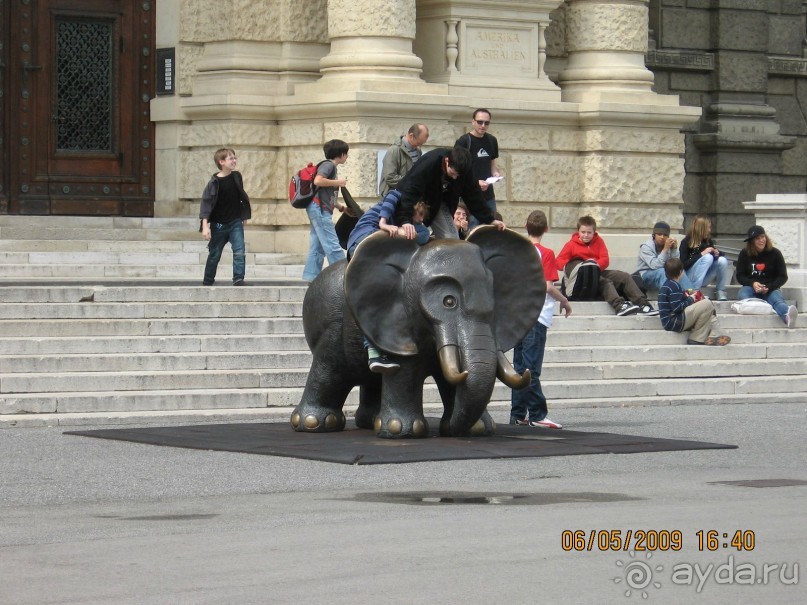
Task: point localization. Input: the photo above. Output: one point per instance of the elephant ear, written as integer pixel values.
(374, 289)
(518, 281)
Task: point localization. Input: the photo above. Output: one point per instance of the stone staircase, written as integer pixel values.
(157, 348)
(115, 248)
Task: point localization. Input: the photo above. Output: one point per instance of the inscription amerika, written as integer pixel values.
(498, 46)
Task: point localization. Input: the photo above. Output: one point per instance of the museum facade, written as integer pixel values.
(632, 111)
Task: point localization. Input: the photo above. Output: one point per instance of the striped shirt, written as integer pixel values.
(672, 301)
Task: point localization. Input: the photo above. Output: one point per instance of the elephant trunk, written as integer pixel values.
(472, 395)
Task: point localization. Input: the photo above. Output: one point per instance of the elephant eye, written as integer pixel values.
(449, 302)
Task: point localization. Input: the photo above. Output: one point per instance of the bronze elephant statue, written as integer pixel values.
(449, 310)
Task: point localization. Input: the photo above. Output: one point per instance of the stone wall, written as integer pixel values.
(745, 64)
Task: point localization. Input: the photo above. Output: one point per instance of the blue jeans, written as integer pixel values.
(323, 242)
(654, 278)
(708, 268)
(774, 298)
(220, 234)
(529, 353)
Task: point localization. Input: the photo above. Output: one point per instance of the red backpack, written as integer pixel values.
(301, 186)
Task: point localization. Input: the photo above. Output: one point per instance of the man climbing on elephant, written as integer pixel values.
(440, 178)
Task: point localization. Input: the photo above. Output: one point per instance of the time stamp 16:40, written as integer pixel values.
(612, 540)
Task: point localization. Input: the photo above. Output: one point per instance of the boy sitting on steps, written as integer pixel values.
(614, 286)
(681, 312)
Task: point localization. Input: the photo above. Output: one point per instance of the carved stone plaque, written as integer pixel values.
(499, 50)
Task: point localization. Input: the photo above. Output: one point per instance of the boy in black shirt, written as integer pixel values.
(224, 212)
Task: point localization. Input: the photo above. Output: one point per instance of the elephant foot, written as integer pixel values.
(317, 420)
(401, 428)
(484, 427)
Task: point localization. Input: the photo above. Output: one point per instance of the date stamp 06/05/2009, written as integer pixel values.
(654, 540)
(639, 575)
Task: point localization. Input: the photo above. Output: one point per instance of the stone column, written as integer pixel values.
(606, 41)
(371, 45)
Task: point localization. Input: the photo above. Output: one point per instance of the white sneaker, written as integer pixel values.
(546, 423)
(792, 315)
(721, 295)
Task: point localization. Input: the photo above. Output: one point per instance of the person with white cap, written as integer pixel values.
(761, 271)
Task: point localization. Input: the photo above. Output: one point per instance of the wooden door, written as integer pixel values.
(76, 86)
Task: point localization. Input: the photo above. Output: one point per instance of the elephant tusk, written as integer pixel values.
(449, 362)
(508, 375)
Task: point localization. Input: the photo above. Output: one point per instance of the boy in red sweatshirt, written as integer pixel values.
(615, 286)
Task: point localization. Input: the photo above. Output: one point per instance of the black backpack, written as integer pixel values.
(583, 282)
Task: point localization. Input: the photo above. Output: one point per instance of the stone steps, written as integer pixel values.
(53, 247)
(106, 322)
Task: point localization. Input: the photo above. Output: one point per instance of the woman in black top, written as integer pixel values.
(761, 271)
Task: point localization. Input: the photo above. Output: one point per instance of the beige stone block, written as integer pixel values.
(296, 24)
(625, 215)
(187, 57)
(227, 134)
(521, 137)
(567, 140)
(637, 180)
(564, 218)
(382, 18)
(292, 240)
(260, 241)
(282, 20)
(545, 178)
(606, 26)
(261, 173)
(301, 134)
(642, 140)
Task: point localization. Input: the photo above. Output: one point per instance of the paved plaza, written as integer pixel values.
(96, 521)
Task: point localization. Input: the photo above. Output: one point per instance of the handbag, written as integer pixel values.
(752, 306)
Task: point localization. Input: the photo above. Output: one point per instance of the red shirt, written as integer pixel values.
(548, 260)
(594, 250)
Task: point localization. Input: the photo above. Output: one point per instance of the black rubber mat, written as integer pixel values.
(359, 446)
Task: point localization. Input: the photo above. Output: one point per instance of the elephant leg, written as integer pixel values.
(320, 409)
(447, 393)
(401, 412)
(369, 403)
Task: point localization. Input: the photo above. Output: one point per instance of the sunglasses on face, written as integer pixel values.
(482, 122)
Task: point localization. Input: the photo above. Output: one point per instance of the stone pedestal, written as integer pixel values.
(370, 49)
(784, 217)
(486, 48)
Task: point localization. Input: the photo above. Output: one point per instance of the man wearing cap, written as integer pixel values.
(654, 253)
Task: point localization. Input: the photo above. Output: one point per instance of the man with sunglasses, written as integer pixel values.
(484, 150)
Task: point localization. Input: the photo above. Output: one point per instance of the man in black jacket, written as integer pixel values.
(440, 178)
